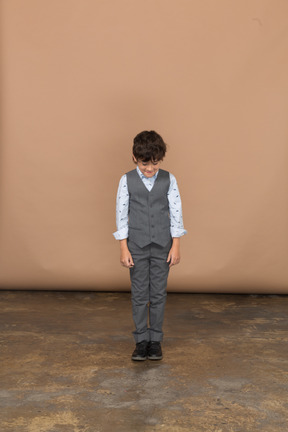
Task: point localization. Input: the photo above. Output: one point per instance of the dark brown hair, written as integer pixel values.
(149, 145)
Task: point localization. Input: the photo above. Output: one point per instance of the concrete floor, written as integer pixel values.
(65, 364)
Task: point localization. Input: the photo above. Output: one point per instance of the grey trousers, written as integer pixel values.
(148, 289)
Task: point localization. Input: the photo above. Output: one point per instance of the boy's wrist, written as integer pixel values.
(123, 243)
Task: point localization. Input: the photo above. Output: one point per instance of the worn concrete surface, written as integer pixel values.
(65, 364)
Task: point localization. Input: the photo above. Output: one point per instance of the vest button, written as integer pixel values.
(152, 226)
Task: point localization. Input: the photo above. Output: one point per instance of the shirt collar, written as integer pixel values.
(142, 176)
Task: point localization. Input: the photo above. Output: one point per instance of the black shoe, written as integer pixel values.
(154, 351)
(140, 352)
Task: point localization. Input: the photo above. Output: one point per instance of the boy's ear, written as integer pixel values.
(134, 159)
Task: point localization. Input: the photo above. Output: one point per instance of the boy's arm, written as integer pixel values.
(174, 253)
(125, 256)
(122, 209)
(176, 221)
(175, 209)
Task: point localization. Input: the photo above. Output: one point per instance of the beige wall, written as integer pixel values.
(81, 78)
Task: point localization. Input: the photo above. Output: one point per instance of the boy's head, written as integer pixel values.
(148, 151)
(149, 146)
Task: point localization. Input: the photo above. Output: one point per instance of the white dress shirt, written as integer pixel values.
(122, 206)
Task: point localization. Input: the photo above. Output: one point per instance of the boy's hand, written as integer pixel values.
(126, 259)
(174, 253)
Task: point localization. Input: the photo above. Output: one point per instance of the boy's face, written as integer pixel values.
(149, 169)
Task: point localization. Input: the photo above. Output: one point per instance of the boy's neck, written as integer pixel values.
(141, 174)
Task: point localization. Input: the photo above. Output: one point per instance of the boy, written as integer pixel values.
(149, 227)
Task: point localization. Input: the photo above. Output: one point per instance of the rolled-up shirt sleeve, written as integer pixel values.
(175, 209)
(122, 209)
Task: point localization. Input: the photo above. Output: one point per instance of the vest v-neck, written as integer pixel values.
(148, 191)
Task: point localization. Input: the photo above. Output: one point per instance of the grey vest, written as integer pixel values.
(149, 220)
